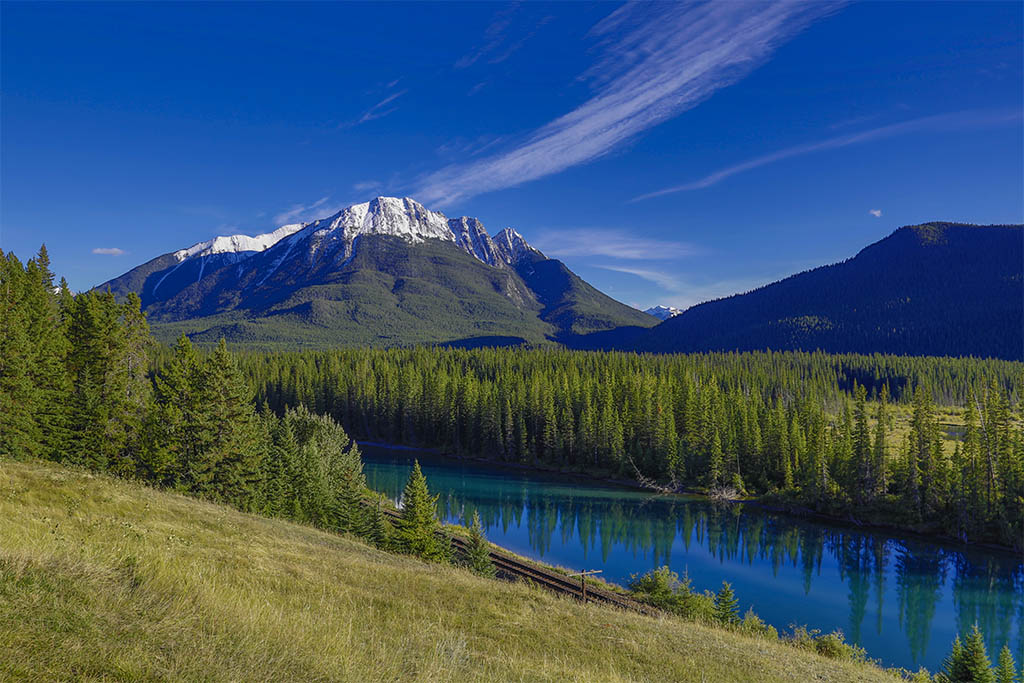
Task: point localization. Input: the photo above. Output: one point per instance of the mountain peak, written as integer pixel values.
(513, 247)
(663, 312)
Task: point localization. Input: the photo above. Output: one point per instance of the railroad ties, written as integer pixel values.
(513, 569)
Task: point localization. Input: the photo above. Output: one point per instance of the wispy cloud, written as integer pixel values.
(109, 251)
(877, 213)
(379, 110)
(585, 242)
(495, 46)
(368, 186)
(303, 213)
(938, 123)
(679, 292)
(658, 60)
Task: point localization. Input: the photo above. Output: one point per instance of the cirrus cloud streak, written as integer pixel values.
(583, 242)
(659, 60)
(964, 120)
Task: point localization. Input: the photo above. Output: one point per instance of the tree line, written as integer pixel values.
(78, 386)
(814, 430)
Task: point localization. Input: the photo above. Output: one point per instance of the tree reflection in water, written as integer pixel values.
(790, 570)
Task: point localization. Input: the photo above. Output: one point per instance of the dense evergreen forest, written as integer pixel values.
(82, 381)
(76, 386)
(813, 430)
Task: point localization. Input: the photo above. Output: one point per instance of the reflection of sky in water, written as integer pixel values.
(903, 600)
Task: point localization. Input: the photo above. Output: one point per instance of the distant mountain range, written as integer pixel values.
(387, 272)
(937, 289)
(663, 312)
(391, 272)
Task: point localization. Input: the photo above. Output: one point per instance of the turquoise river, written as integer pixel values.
(901, 598)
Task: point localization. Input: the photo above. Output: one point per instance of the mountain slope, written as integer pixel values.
(107, 580)
(386, 272)
(933, 289)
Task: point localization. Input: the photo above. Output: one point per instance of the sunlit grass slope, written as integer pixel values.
(103, 579)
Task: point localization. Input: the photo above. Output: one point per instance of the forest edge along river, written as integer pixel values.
(901, 597)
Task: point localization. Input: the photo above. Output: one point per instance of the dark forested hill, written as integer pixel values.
(941, 289)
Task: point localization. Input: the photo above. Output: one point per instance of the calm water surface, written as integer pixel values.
(902, 599)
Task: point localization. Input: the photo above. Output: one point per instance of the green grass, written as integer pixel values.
(102, 579)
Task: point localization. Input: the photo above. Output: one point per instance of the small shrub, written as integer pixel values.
(756, 626)
(663, 589)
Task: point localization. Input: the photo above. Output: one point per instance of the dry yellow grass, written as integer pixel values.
(106, 580)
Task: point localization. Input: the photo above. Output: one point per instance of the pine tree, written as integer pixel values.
(48, 347)
(380, 528)
(176, 438)
(878, 466)
(976, 660)
(478, 550)
(1006, 669)
(954, 669)
(279, 491)
(416, 529)
(726, 605)
(19, 432)
(715, 458)
(351, 510)
(967, 662)
(863, 480)
(230, 467)
(131, 367)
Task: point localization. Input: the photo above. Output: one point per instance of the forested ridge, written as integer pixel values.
(815, 430)
(936, 289)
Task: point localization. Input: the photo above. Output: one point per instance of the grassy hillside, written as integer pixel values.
(102, 579)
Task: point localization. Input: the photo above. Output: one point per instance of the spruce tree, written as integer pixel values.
(478, 550)
(230, 467)
(954, 669)
(19, 432)
(137, 388)
(726, 605)
(715, 459)
(416, 529)
(380, 528)
(878, 466)
(1006, 669)
(976, 659)
(48, 347)
(863, 480)
(968, 662)
(351, 510)
(177, 440)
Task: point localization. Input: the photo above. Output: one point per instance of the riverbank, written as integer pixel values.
(148, 584)
(769, 502)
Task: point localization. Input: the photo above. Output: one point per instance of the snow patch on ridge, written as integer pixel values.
(226, 244)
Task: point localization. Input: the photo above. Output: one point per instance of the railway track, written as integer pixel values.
(511, 569)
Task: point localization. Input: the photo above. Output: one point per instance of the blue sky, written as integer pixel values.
(667, 153)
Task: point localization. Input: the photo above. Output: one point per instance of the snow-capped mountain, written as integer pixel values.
(392, 216)
(237, 244)
(389, 265)
(663, 312)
